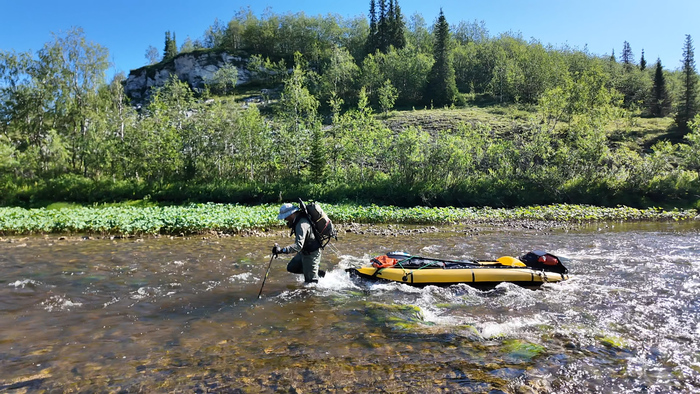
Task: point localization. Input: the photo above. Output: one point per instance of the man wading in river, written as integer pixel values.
(307, 248)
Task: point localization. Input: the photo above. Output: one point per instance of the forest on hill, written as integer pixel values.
(552, 124)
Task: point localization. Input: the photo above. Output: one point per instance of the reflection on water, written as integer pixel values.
(183, 315)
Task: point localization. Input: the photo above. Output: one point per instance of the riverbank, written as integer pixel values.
(376, 230)
(260, 220)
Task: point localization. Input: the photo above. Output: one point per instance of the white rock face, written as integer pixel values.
(195, 68)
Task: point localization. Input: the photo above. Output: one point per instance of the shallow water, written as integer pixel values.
(182, 315)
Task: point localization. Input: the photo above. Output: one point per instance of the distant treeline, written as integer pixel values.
(348, 54)
(65, 134)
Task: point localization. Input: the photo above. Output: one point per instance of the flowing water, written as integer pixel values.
(182, 315)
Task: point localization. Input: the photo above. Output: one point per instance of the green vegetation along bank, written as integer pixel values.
(233, 218)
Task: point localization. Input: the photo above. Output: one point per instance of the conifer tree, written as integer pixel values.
(442, 87)
(387, 29)
(642, 62)
(170, 46)
(173, 45)
(398, 37)
(167, 45)
(389, 25)
(660, 100)
(382, 27)
(688, 104)
(371, 42)
(627, 57)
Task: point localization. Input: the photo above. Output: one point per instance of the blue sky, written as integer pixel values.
(127, 28)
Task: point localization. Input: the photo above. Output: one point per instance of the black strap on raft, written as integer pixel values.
(427, 264)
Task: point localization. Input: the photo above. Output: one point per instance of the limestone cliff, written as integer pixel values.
(195, 68)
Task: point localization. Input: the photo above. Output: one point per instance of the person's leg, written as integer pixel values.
(295, 265)
(311, 262)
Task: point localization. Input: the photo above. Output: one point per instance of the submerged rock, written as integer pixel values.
(522, 350)
(395, 316)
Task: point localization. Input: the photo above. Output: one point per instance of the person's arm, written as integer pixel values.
(301, 230)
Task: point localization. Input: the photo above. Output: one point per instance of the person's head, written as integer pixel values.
(288, 212)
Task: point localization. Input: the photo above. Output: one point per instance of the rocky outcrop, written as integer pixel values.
(195, 68)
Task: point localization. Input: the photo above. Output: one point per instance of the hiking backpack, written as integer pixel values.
(321, 223)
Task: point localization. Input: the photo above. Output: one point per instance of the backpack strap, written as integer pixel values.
(319, 239)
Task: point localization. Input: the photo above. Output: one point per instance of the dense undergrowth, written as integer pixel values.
(498, 156)
(234, 218)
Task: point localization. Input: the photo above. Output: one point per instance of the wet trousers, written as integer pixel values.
(306, 264)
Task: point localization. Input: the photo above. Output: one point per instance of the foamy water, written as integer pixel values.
(60, 303)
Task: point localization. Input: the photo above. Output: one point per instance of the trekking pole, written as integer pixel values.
(266, 274)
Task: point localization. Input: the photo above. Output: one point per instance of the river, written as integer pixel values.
(182, 315)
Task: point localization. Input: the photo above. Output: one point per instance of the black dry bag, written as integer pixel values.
(541, 260)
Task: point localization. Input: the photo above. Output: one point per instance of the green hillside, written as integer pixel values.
(345, 110)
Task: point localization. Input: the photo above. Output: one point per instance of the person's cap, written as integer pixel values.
(285, 210)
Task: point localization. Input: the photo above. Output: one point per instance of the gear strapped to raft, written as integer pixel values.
(536, 260)
(541, 260)
(532, 269)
